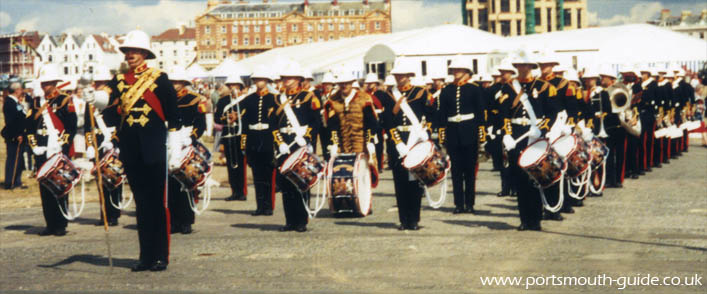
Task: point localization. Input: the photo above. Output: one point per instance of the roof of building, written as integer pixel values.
(286, 7)
(105, 44)
(174, 35)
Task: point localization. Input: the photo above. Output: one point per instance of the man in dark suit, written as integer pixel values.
(15, 115)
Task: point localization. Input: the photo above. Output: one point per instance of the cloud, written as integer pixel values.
(639, 13)
(417, 14)
(29, 24)
(5, 19)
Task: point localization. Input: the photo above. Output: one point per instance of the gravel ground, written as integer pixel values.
(654, 225)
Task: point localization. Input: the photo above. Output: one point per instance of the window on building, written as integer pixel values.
(224, 54)
(161, 53)
(549, 20)
(174, 52)
(66, 58)
(505, 5)
(256, 28)
(505, 28)
(352, 11)
(295, 27)
(320, 39)
(235, 41)
(493, 6)
(310, 39)
(90, 69)
(568, 17)
(66, 70)
(331, 26)
(73, 46)
(492, 26)
(342, 27)
(246, 28)
(579, 18)
(519, 28)
(352, 27)
(175, 62)
(223, 42)
(76, 70)
(518, 8)
(362, 26)
(423, 66)
(223, 29)
(234, 28)
(161, 66)
(320, 27)
(378, 25)
(472, 14)
(257, 40)
(76, 57)
(246, 41)
(278, 41)
(268, 41)
(483, 19)
(475, 65)
(538, 17)
(320, 13)
(331, 37)
(90, 57)
(51, 59)
(278, 28)
(207, 29)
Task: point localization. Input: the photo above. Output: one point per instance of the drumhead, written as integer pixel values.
(533, 153)
(292, 159)
(417, 154)
(363, 185)
(564, 145)
(49, 165)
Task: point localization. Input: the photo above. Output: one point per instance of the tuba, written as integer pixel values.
(620, 97)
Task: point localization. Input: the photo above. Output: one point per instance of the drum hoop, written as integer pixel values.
(574, 148)
(47, 162)
(187, 157)
(539, 159)
(427, 156)
(296, 153)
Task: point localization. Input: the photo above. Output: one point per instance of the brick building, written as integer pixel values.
(17, 54)
(521, 17)
(241, 28)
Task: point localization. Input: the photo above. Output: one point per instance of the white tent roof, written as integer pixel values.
(196, 71)
(633, 43)
(447, 39)
(229, 67)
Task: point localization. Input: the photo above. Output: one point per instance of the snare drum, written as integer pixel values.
(542, 163)
(599, 152)
(303, 168)
(58, 175)
(349, 184)
(575, 151)
(427, 163)
(112, 171)
(195, 167)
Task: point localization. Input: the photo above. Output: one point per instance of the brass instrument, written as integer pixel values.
(620, 97)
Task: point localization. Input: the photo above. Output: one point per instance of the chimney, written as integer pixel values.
(265, 1)
(703, 16)
(306, 2)
(335, 2)
(664, 15)
(181, 29)
(684, 15)
(365, 2)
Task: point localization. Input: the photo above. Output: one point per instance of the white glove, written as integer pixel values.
(567, 130)
(587, 135)
(53, 149)
(423, 134)
(106, 145)
(553, 135)
(186, 141)
(534, 134)
(39, 150)
(300, 141)
(174, 161)
(90, 152)
(301, 131)
(283, 148)
(509, 142)
(333, 150)
(402, 149)
(581, 124)
(371, 148)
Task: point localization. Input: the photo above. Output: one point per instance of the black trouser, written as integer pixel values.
(50, 204)
(666, 149)
(408, 194)
(116, 196)
(616, 164)
(463, 159)
(295, 214)
(529, 204)
(657, 151)
(507, 182)
(148, 183)
(379, 151)
(14, 165)
(261, 164)
(325, 137)
(495, 148)
(646, 145)
(236, 175)
(180, 210)
(633, 155)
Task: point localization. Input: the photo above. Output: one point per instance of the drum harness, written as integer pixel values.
(416, 134)
(121, 205)
(229, 126)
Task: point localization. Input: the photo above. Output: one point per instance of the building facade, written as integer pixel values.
(686, 22)
(76, 54)
(18, 56)
(175, 47)
(240, 29)
(521, 17)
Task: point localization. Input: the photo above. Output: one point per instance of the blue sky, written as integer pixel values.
(155, 16)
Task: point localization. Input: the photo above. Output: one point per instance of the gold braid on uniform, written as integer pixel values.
(482, 134)
(395, 135)
(277, 137)
(507, 126)
(243, 141)
(335, 138)
(89, 139)
(32, 140)
(369, 136)
(442, 135)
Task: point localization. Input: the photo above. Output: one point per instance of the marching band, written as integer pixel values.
(556, 136)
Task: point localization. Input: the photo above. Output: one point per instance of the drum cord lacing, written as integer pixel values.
(207, 196)
(561, 198)
(122, 205)
(75, 212)
(581, 182)
(321, 197)
(443, 193)
(603, 180)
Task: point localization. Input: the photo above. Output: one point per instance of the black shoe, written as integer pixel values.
(535, 227)
(257, 212)
(458, 210)
(236, 198)
(140, 267)
(60, 232)
(402, 227)
(634, 176)
(413, 227)
(619, 185)
(641, 173)
(46, 232)
(267, 212)
(567, 210)
(186, 229)
(578, 203)
(470, 210)
(174, 229)
(514, 193)
(658, 165)
(113, 222)
(158, 266)
(502, 194)
(301, 229)
(287, 228)
(556, 216)
(522, 227)
(231, 198)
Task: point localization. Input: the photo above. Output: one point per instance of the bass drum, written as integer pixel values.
(349, 184)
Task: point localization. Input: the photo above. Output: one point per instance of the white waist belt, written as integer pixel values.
(523, 121)
(404, 128)
(259, 127)
(460, 118)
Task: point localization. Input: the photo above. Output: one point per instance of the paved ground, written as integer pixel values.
(655, 225)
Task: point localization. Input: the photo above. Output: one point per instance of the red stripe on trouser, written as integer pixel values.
(168, 218)
(623, 162)
(245, 176)
(670, 146)
(687, 140)
(272, 189)
(652, 134)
